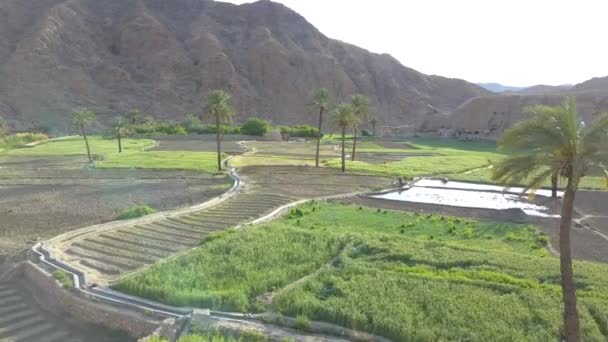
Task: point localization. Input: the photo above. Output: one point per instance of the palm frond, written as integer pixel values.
(516, 169)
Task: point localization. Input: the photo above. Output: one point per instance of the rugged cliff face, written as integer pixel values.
(165, 56)
(489, 116)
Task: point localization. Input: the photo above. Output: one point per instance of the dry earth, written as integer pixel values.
(43, 197)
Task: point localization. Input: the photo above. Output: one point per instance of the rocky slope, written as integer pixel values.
(165, 56)
(488, 116)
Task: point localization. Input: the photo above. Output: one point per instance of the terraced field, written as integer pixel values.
(106, 255)
(22, 320)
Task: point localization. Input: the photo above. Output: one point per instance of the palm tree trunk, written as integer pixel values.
(86, 142)
(119, 142)
(343, 150)
(554, 184)
(354, 144)
(319, 136)
(571, 322)
(219, 147)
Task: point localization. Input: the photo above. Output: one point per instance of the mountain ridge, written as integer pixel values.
(164, 57)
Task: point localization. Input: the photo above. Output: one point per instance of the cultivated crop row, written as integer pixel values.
(113, 253)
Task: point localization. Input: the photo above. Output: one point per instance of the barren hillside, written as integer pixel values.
(164, 56)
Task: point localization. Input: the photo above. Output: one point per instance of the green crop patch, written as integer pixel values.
(405, 276)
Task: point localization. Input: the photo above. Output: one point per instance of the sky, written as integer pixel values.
(513, 42)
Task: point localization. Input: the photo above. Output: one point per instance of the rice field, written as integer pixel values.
(404, 276)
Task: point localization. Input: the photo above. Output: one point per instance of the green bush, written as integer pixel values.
(22, 139)
(300, 131)
(135, 212)
(302, 323)
(64, 278)
(255, 126)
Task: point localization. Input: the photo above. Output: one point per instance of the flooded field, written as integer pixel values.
(469, 195)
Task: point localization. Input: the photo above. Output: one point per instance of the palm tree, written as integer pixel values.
(83, 117)
(373, 122)
(320, 101)
(361, 109)
(552, 139)
(219, 110)
(344, 118)
(119, 127)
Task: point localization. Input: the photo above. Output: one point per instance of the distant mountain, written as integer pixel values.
(594, 84)
(498, 88)
(164, 56)
(544, 89)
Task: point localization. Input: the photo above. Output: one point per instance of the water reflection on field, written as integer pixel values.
(469, 195)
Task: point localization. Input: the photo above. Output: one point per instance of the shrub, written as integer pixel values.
(159, 127)
(255, 126)
(64, 278)
(300, 131)
(22, 139)
(135, 212)
(302, 323)
(365, 133)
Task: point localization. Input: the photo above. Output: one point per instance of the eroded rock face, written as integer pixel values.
(490, 116)
(165, 56)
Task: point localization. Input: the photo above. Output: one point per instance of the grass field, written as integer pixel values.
(415, 157)
(134, 154)
(400, 275)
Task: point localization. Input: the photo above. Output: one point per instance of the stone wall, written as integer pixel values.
(48, 293)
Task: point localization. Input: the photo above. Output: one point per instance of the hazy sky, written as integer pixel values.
(514, 42)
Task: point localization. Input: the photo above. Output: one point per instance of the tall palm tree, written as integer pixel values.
(373, 122)
(83, 117)
(320, 102)
(119, 128)
(553, 139)
(344, 118)
(361, 110)
(220, 111)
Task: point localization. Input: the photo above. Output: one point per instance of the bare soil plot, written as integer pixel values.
(39, 202)
(23, 319)
(592, 202)
(310, 182)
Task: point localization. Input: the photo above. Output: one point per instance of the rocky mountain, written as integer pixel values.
(163, 57)
(489, 116)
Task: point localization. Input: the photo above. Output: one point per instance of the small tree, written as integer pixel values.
(83, 117)
(344, 119)
(320, 102)
(119, 127)
(255, 126)
(135, 117)
(219, 110)
(553, 141)
(361, 110)
(373, 122)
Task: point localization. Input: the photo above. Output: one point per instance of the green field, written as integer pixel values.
(451, 158)
(400, 275)
(134, 154)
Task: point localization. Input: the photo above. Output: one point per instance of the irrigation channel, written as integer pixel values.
(98, 256)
